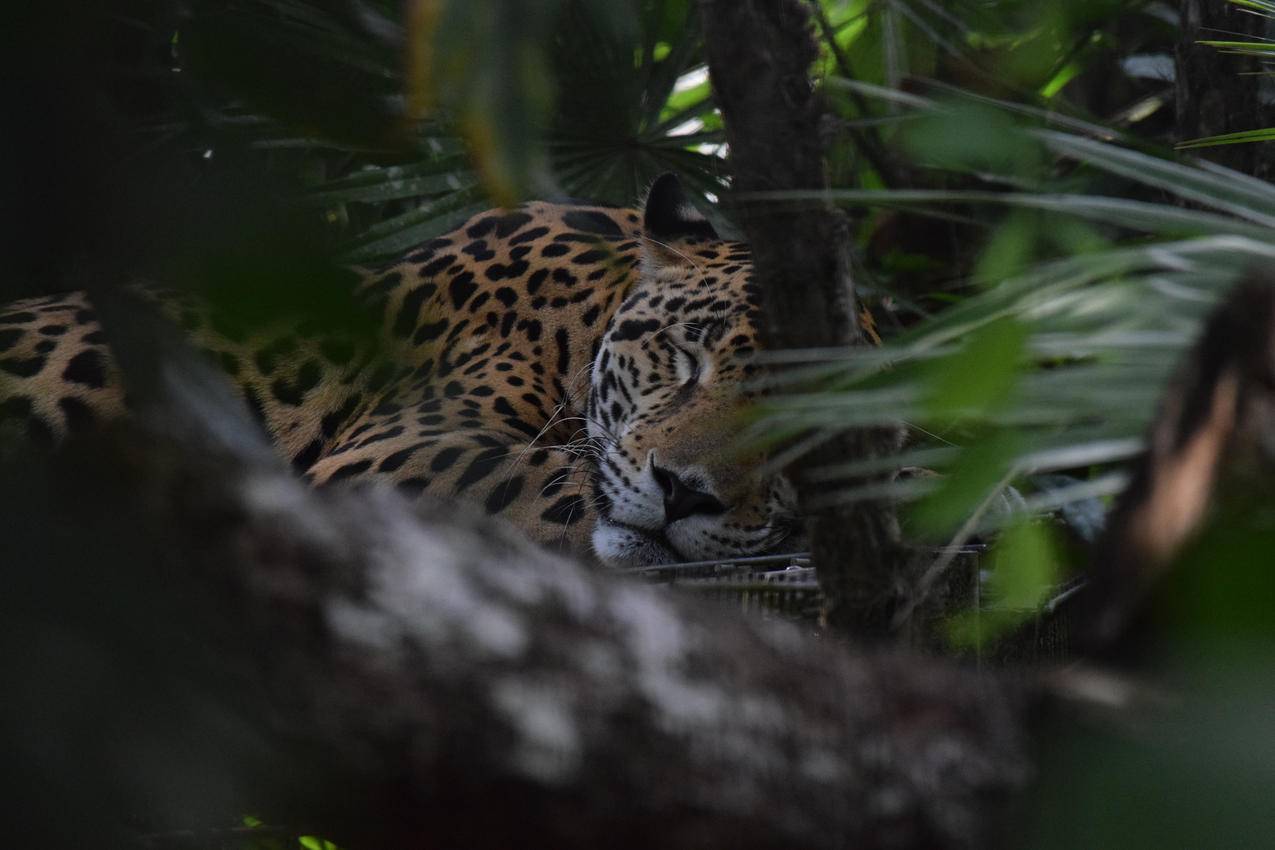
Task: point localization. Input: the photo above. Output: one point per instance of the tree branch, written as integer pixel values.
(194, 633)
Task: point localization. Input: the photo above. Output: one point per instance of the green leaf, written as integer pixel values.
(446, 174)
(1242, 137)
(1104, 330)
(982, 471)
(1255, 47)
(313, 842)
(1025, 566)
(981, 375)
(396, 235)
(1010, 249)
(1135, 215)
(1262, 7)
(972, 137)
(1211, 185)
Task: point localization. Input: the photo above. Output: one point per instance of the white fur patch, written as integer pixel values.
(621, 546)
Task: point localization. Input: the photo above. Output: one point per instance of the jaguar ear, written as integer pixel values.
(669, 217)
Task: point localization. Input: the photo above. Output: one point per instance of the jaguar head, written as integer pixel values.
(668, 392)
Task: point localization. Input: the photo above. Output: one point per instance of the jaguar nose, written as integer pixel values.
(681, 501)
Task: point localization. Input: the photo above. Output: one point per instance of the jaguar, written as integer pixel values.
(581, 370)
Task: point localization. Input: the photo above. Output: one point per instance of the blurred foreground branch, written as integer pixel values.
(1207, 468)
(194, 633)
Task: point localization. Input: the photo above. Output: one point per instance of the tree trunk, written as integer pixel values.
(1219, 92)
(759, 55)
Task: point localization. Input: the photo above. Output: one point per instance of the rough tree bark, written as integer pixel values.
(1214, 94)
(328, 661)
(759, 54)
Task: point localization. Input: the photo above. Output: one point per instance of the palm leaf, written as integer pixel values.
(1101, 331)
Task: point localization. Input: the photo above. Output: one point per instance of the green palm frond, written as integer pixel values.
(1261, 7)
(583, 98)
(1242, 137)
(639, 105)
(1057, 367)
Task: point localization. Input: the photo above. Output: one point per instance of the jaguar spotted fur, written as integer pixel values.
(579, 370)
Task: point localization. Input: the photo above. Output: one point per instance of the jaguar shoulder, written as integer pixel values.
(576, 369)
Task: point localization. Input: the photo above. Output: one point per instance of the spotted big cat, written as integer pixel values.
(579, 370)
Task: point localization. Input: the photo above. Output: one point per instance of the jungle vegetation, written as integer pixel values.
(1045, 202)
